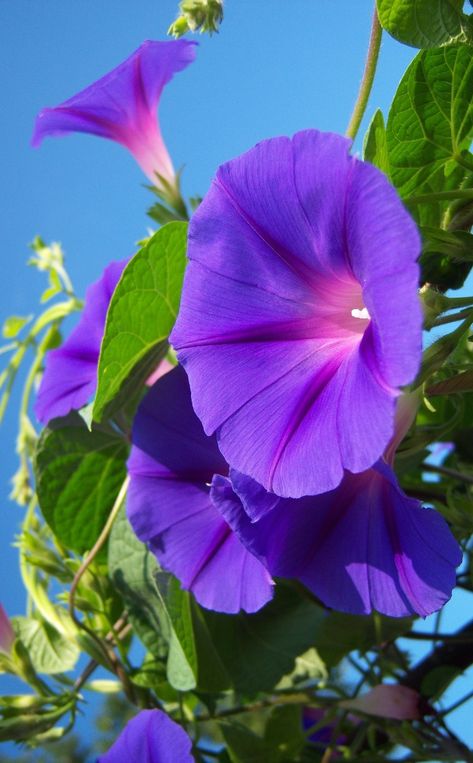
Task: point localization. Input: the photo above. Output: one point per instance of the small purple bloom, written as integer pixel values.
(171, 465)
(150, 737)
(361, 547)
(300, 319)
(70, 375)
(122, 106)
(7, 635)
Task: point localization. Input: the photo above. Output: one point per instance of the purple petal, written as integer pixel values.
(150, 737)
(70, 375)
(364, 546)
(171, 465)
(122, 105)
(285, 364)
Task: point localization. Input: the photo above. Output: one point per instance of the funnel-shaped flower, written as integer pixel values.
(70, 375)
(150, 737)
(300, 319)
(361, 547)
(7, 635)
(171, 466)
(122, 106)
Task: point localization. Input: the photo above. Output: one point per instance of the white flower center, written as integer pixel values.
(363, 314)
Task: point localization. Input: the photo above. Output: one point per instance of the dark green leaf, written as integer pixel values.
(340, 634)
(257, 650)
(243, 745)
(283, 733)
(141, 314)
(78, 476)
(462, 382)
(424, 23)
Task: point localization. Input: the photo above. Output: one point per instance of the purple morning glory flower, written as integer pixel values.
(363, 546)
(122, 106)
(70, 375)
(171, 465)
(300, 319)
(150, 737)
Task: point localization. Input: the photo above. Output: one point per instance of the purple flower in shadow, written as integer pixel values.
(122, 106)
(7, 635)
(70, 375)
(171, 465)
(150, 737)
(300, 319)
(363, 546)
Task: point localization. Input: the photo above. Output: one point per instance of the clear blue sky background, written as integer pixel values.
(277, 66)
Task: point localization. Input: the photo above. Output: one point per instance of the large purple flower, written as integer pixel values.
(361, 547)
(171, 466)
(300, 319)
(70, 375)
(150, 737)
(122, 106)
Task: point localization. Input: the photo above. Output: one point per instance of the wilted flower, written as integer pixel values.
(171, 466)
(300, 318)
(150, 737)
(388, 701)
(7, 635)
(122, 106)
(70, 375)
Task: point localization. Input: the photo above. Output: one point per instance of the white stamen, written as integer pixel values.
(363, 314)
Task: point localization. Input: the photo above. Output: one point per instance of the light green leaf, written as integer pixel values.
(131, 567)
(13, 325)
(182, 657)
(78, 476)
(424, 23)
(48, 651)
(431, 122)
(375, 149)
(141, 315)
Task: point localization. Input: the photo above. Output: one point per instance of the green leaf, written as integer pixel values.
(141, 315)
(257, 650)
(340, 634)
(462, 382)
(243, 745)
(182, 657)
(375, 148)
(131, 568)
(283, 733)
(13, 325)
(424, 23)
(430, 122)
(446, 258)
(48, 651)
(78, 476)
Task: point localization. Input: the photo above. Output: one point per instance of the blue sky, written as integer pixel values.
(275, 68)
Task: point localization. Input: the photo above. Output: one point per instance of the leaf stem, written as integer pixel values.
(368, 78)
(448, 473)
(426, 198)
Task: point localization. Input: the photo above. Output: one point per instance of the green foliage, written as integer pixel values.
(78, 476)
(140, 316)
(425, 23)
(48, 650)
(430, 123)
(197, 16)
(375, 148)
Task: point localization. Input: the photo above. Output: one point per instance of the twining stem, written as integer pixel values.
(448, 473)
(96, 548)
(368, 78)
(106, 650)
